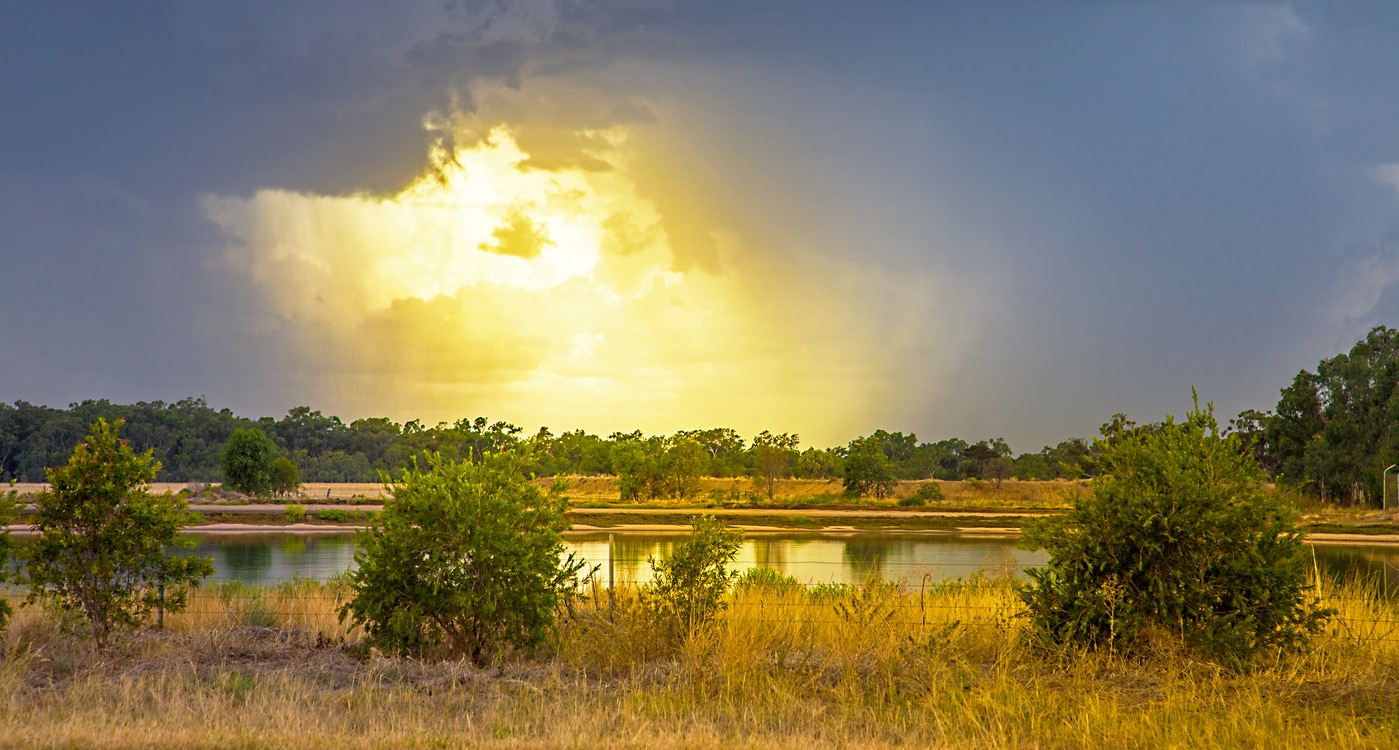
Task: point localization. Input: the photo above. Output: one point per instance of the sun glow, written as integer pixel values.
(544, 296)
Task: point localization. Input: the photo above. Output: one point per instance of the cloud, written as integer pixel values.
(1386, 174)
(519, 236)
(1263, 33)
(556, 297)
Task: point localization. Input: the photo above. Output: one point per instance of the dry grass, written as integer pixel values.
(879, 666)
(1011, 493)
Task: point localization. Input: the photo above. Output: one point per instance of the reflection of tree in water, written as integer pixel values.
(243, 560)
(1377, 569)
(630, 555)
(770, 553)
(864, 557)
(294, 546)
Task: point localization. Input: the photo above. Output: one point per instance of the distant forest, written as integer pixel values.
(1331, 434)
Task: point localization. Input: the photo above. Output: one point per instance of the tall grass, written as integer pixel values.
(785, 665)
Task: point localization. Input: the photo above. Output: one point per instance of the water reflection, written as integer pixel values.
(808, 557)
(1374, 566)
(269, 558)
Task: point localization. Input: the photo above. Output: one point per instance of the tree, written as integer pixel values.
(247, 460)
(771, 455)
(867, 469)
(102, 541)
(464, 560)
(688, 588)
(998, 469)
(285, 477)
(1334, 430)
(1176, 536)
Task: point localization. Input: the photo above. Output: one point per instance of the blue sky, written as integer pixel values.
(982, 219)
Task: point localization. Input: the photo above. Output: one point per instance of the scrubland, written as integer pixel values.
(784, 666)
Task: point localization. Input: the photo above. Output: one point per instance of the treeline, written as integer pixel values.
(1332, 434)
(188, 436)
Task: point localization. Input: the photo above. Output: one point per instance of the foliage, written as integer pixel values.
(9, 510)
(464, 560)
(247, 460)
(1177, 536)
(657, 467)
(285, 478)
(1333, 431)
(295, 513)
(867, 469)
(921, 496)
(768, 579)
(102, 538)
(771, 456)
(689, 586)
(998, 470)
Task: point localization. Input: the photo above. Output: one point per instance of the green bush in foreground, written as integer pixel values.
(102, 542)
(464, 560)
(1176, 536)
(689, 586)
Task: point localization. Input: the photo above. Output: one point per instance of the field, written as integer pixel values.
(879, 666)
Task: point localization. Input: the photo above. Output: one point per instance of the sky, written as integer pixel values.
(1001, 219)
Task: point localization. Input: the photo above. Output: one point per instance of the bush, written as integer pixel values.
(247, 460)
(1176, 536)
(102, 538)
(464, 560)
(336, 515)
(766, 579)
(689, 586)
(296, 513)
(9, 510)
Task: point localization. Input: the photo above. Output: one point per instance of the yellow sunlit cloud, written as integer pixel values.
(543, 296)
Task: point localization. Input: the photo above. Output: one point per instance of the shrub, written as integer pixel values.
(296, 513)
(464, 560)
(9, 510)
(921, 496)
(336, 515)
(1177, 536)
(689, 586)
(765, 578)
(102, 538)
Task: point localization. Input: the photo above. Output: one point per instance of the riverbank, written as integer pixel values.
(870, 667)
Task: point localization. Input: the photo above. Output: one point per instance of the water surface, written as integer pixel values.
(807, 556)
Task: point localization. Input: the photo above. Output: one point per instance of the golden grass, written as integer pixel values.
(1012, 493)
(878, 666)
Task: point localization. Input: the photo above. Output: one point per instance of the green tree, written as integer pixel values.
(771, 456)
(1176, 536)
(867, 469)
(1334, 430)
(247, 460)
(998, 470)
(285, 477)
(688, 588)
(102, 538)
(465, 560)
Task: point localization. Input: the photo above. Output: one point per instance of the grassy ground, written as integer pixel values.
(880, 666)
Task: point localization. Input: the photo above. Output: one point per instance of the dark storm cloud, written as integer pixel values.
(1149, 195)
